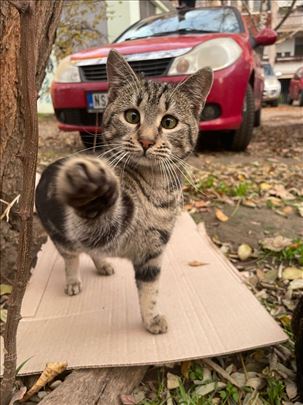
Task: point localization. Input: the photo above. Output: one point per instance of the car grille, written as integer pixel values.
(148, 68)
(78, 116)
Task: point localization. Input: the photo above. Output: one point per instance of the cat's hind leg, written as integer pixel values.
(147, 280)
(102, 266)
(73, 283)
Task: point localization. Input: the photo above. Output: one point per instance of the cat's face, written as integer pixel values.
(148, 121)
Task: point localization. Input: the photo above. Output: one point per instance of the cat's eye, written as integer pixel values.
(132, 116)
(169, 122)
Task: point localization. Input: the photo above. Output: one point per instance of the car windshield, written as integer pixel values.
(268, 70)
(190, 21)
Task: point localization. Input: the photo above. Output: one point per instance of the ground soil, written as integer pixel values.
(279, 139)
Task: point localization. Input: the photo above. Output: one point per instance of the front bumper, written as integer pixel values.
(271, 94)
(223, 110)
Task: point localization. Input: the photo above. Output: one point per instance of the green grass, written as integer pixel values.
(292, 254)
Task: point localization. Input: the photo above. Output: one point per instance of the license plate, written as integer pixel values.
(96, 101)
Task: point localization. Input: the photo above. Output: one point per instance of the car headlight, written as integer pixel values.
(67, 72)
(217, 53)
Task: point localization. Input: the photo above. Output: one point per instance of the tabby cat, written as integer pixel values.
(124, 202)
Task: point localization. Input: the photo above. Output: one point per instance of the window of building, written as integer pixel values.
(299, 46)
(256, 5)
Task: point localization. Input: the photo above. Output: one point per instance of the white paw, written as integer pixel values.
(157, 325)
(73, 288)
(105, 269)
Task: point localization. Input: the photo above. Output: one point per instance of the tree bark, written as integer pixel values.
(25, 26)
(97, 386)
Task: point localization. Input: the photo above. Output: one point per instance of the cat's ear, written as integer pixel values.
(197, 87)
(118, 73)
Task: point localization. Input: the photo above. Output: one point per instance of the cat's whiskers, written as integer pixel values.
(171, 176)
(123, 169)
(175, 177)
(114, 159)
(121, 158)
(184, 171)
(183, 162)
(101, 155)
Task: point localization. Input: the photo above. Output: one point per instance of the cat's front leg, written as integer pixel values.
(88, 185)
(147, 279)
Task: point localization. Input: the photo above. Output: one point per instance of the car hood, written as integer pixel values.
(153, 44)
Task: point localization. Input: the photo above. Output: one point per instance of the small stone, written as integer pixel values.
(35, 399)
(42, 394)
(55, 384)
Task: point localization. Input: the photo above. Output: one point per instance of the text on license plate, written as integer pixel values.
(96, 101)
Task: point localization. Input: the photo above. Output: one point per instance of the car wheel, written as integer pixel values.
(88, 140)
(257, 121)
(301, 99)
(240, 138)
(275, 103)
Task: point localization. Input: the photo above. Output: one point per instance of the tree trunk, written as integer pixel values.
(47, 14)
(27, 33)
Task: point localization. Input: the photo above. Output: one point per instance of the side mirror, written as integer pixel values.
(265, 37)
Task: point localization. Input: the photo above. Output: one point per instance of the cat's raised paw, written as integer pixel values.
(73, 288)
(157, 325)
(83, 180)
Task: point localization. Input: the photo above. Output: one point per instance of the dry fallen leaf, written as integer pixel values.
(280, 191)
(288, 210)
(275, 244)
(201, 204)
(18, 395)
(271, 275)
(49, 373)
(208, 388)
(221, 216)
(5, 289)
(128, 400)
(265, 186)
(172, 381)
(291, 389)
(296, 284)
(185, 367)
(196, 263)
(244, 251)
(3, 315)
(292, 273)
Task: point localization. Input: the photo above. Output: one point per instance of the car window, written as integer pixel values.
(199, 20)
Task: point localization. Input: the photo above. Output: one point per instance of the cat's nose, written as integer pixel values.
(146, 143)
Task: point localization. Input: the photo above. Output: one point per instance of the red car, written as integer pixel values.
(295, 91)
(168, 47)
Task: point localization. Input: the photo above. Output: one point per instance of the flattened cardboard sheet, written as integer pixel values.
(209, 310)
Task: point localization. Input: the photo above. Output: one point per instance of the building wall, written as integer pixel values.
(125, 13)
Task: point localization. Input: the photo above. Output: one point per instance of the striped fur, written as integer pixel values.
(124, 202)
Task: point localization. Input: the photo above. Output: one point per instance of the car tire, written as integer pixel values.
(301, 99)
(89, 139)
(275, 103)
(240, 138)
(257, 121)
